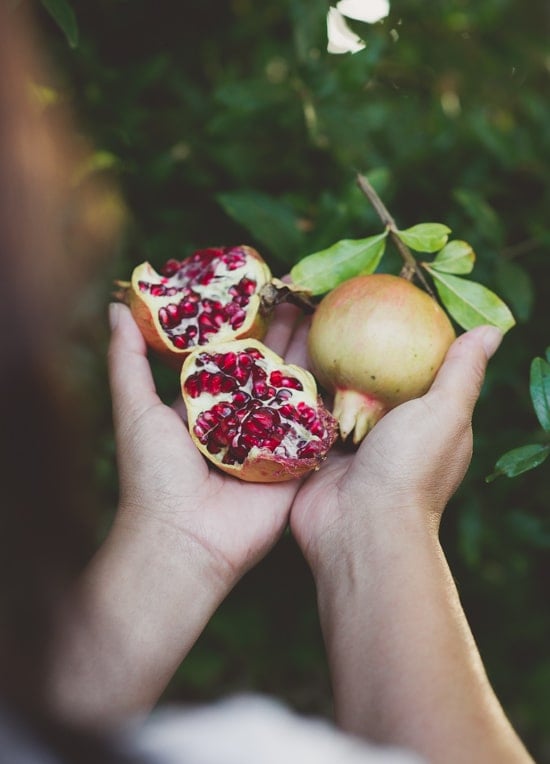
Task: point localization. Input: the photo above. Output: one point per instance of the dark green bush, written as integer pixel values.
(227, 122)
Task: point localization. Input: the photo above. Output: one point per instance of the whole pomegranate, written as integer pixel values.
(375, 342)
(213, 295)
(253, 416)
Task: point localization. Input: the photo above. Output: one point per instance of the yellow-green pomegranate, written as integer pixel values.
(375, 342)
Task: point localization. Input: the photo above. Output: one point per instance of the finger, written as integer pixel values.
(461, 376)
(132, 384)
(282, 327)
(297, 347)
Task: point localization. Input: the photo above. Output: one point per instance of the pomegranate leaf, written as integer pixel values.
(540, 391)
(425, 237)
(516, 286)
(322, 271)
(469, 303)
(271, 221)
(519, 460)
(63, 15)
(455, 257)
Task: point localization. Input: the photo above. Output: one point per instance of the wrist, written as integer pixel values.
(371, 538)
(164, 544)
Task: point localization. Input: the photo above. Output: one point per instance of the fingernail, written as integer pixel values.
(114, 313)
(491, 339)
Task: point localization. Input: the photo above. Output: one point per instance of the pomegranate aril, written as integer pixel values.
(170, 267)
(318, 429)
(246, 286)
(227, 361)
(241, 398)
(238, 319)
(157, 290)
(310, 449)
(307, 414)
(283, 395)
(180, 341)
(278, 378)
(222, 409)
(260, 389)
(188, 308)
(192, 385)
(288, 411)
(169, 316)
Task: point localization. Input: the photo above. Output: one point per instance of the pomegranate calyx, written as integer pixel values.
(276, 292)
(356, 413)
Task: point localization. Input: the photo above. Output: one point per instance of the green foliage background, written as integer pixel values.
(227, 122)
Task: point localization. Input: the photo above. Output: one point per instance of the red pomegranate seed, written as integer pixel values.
(227, 361)
(288, 411)
(143, 286)
(241, 398)
(188, 308)
(317, 428)
(192, 386)
(310, 449)
(157, 290)
(238, 319)
(180, 341)
(170, 267)
(246, 286)
(260, 389)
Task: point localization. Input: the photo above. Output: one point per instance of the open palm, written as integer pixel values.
(165, 479)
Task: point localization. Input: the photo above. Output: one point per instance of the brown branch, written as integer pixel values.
(411, 267)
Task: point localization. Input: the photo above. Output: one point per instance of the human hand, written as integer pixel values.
(164, 480)
(406, 469)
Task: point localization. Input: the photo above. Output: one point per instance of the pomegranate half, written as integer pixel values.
(252, 415)
(211, 296)
(375, 342)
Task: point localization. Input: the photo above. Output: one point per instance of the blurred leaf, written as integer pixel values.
(482, 214)
(517, 288)
(547, 353)
(519, 460)
(530, 529)
(64, 17)
(425, 237)
(322, 271)
(540, 391)
(270, 221)
(471, 304)
(455, 257)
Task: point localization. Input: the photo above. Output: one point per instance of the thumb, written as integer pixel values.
(132, 385)
(461, 376)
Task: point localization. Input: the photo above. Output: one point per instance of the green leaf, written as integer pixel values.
(425, 237)
(63, 15)
(547, 354)
(455, 257)
(519, 460)
(517, 288)
(272, 222)
(469, 303)
(324, 270)
(540, 391)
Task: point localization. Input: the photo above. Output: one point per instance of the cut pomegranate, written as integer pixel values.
(212, 296)
(252, 415)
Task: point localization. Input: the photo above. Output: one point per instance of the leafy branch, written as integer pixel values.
(469, 303)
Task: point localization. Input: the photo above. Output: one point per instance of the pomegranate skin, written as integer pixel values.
(376, 341)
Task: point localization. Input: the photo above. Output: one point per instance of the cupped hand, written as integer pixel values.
(407, 467)
(165, 480)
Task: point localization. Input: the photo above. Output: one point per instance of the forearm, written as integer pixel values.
(404, 665)
(133, 617)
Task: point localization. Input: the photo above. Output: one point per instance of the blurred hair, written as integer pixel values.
(51, 231)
